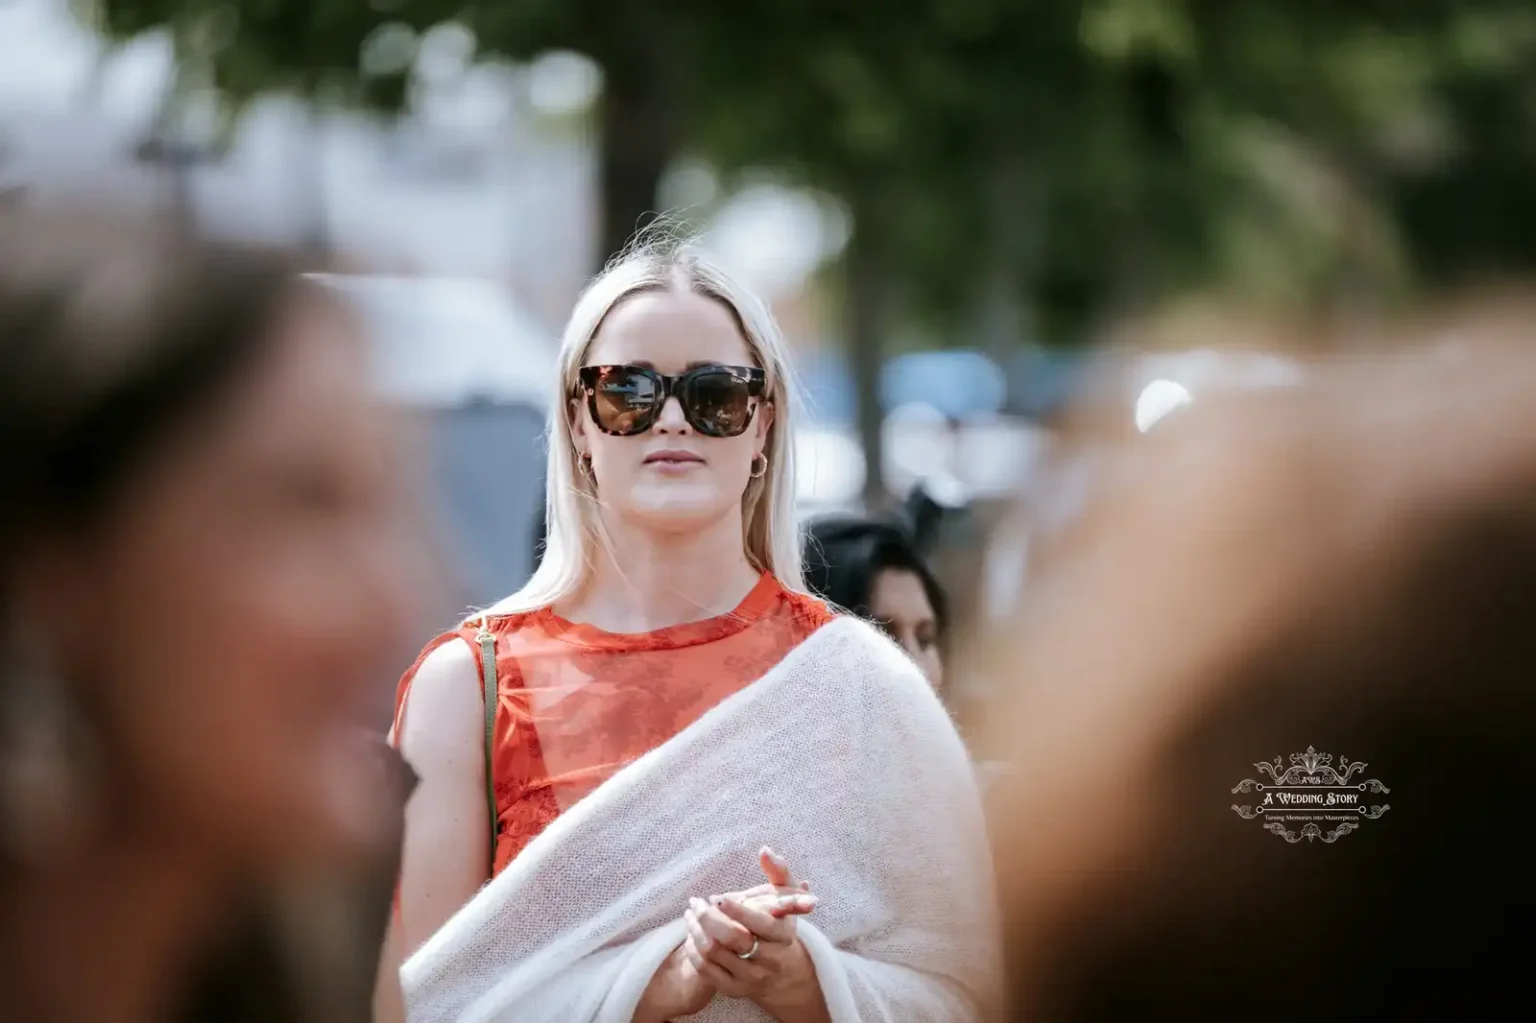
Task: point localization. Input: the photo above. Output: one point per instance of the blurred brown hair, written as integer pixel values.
(1350, 567)
(114, 332)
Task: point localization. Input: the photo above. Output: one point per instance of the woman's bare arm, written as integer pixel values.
(447, 827)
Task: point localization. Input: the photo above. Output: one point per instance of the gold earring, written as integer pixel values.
(757, 473)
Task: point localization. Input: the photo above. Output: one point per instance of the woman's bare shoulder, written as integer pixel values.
(453, 659)
(444, 707)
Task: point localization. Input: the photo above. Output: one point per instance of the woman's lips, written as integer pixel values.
(673, 459)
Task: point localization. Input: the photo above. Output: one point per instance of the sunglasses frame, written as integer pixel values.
(669, 385)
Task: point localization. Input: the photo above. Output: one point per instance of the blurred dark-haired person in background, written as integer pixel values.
(874, 569)
(1346, 572)
(204, 570)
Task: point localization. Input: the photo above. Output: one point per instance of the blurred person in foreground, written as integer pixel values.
(1343, 572)
(612, 746)
(874, 569)
(202, 574)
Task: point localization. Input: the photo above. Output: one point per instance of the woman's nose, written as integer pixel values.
(671, 419)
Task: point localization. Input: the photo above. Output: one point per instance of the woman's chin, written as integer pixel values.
(675, 505)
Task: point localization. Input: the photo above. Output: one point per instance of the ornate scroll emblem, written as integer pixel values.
(1311, 792)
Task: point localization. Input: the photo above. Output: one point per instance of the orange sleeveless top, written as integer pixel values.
(575, 704)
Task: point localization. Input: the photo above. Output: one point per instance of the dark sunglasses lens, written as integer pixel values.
(718, 403)
(625, 400)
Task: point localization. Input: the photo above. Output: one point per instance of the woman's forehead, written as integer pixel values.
(670, 331)
(900, 586)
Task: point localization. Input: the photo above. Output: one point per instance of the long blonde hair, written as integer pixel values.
(575, 533)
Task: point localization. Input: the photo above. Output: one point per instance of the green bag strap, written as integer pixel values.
(487, 641)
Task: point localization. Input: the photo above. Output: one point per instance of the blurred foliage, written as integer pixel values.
(1095, 156)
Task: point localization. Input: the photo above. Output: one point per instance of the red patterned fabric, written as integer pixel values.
(575, 703)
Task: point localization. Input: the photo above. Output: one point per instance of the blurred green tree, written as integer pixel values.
(985, 153)
(351, 52)
(1012, 170)
(1070, 157)
(1027, 170)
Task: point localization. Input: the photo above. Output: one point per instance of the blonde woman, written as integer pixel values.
(666, 704)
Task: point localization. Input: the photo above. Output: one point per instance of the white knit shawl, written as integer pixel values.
(841, 759)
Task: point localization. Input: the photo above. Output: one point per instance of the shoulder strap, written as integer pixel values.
(487, 641)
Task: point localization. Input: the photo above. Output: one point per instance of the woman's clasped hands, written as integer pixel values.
(743, 945)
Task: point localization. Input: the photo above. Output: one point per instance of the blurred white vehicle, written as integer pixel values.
(447, 342)
(477, 370)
